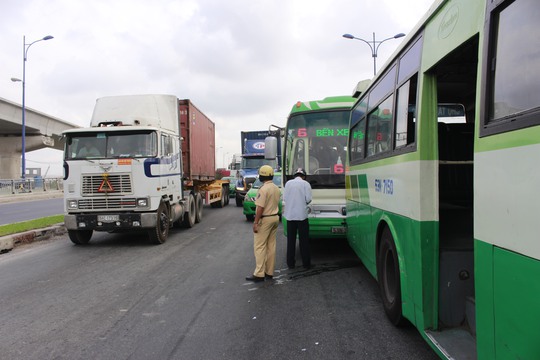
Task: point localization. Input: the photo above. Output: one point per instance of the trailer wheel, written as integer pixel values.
(159, 234)
(226, 194)
(190, 216)
(199, 207)
(221, 202)
(80, 237)
(389, 278)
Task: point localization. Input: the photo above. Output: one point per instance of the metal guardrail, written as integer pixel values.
(29, 185)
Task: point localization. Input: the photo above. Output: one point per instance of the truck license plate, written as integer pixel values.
(339, 229)
(108, 218)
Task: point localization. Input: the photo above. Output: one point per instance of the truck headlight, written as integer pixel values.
(72, 204)
(143, 202)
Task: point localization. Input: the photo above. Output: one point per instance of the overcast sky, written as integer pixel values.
(244, 63)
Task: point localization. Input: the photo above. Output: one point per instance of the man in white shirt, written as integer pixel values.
(296, 197)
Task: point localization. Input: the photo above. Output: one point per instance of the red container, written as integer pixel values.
(198, 142)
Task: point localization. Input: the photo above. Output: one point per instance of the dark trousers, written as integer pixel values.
(302, 228)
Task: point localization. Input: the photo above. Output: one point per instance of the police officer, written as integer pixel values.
(265, 226)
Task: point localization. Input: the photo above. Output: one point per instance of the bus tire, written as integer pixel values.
(80, 237)
(388, 274)
(160, 233)
(190, 216)
(199, 207)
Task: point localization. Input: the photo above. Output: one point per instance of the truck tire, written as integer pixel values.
(226, 194)
(160, 233)
(221, 202)
(199, 207)
(80, 237)
(190, 216)
(388, 274)
(239, 202)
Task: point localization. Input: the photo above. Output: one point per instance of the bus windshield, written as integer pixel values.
(317, 142)
(110, 145)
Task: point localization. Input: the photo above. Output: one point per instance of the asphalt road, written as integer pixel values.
(122, 298)
(29, 209)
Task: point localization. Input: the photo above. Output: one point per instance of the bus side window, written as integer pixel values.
(379, 127)
(405, 130)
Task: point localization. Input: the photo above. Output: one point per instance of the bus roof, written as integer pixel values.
(328, 103)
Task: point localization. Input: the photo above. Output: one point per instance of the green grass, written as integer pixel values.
(30, 225)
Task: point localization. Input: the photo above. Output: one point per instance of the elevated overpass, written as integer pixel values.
(42, 131)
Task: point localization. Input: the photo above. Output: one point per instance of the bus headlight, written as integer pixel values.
(72, 204)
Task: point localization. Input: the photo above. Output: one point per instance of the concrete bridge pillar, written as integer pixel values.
(10, 154)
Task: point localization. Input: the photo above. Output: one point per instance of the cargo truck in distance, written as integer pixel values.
(146, 163)
(253, 144)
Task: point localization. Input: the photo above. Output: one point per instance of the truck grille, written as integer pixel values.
(107, 203)
(249, 181)
(120, 184)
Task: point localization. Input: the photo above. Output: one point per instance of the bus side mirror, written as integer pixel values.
(270, 148)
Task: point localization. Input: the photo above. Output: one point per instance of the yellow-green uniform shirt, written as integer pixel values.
(268, 198)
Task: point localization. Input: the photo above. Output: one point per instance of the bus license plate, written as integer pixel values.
(339, 229)
(108, 218)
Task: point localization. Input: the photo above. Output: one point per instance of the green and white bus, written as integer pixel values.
(315, 139)
(442, 173)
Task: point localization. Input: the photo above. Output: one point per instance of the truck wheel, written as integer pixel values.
(199, 207)
(389, 278)
(159, 234)
(220, 203)
(239, 202)
(226, 194)
(80, 237)
(190, 216)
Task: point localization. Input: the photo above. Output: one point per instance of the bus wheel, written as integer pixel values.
(389, 280)
(159, 234)
(190, 216)
(199, 207)
(80, 237)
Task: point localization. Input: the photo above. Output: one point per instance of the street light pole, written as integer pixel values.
(25, 57)
(374, 46)
(224, 158)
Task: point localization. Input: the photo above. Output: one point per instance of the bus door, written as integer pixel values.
(456, 97)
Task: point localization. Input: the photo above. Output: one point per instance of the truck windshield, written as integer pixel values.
(256, 162)
(109, 145)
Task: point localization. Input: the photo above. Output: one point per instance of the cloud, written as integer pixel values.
(242, 62)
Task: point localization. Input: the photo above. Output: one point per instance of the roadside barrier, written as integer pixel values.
(29, 185)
